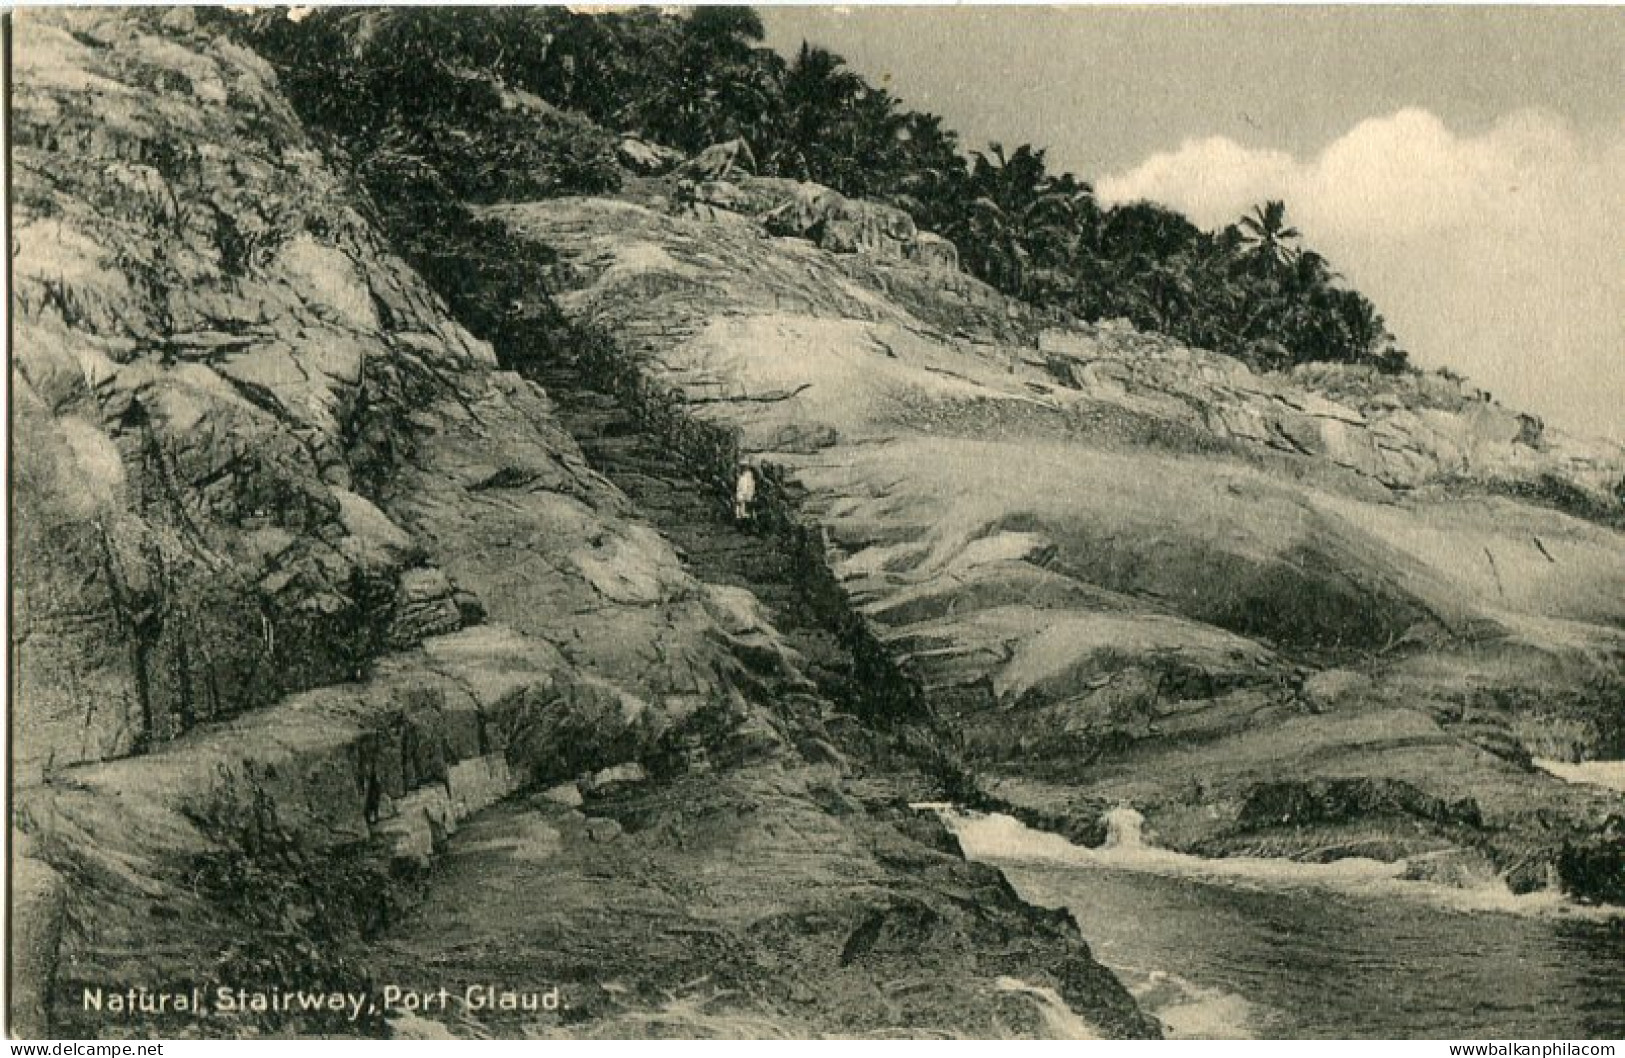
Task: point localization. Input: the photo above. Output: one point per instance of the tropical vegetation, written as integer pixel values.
(483, 103)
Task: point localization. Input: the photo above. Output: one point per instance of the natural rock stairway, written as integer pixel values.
(770, 897)
(697, 518)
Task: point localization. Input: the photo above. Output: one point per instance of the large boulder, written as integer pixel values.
(934, 252)
(840, 224)
(647, 159)
(720, 161)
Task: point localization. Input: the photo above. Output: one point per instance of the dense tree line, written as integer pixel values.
(429, 95)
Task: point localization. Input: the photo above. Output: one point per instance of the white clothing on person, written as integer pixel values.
(744, 494)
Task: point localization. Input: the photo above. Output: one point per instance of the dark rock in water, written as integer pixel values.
(1595, 870)
(1315, 801)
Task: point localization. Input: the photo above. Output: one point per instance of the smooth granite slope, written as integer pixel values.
(1131, 571)
(305, 583)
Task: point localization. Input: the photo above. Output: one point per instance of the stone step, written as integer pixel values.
(698, 521)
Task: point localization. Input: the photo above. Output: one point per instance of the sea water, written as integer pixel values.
(1269, 948)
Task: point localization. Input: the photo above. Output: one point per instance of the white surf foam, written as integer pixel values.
(1125, 829)
(1187, 1010)
(1062, 1021)
(997, 838)
(1607, 773)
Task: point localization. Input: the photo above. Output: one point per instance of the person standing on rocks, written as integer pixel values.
(745, 496)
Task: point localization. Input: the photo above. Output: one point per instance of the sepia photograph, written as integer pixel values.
(816, 522)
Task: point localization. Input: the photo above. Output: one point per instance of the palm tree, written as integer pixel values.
(1266, 234)
(1362, 327)
(1136, 228)
(925, 144)
(1311, 273)
(819, 93)
(1021, 221)
(704, 83)
(725, 31)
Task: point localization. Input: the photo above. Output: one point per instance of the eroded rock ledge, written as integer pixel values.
(306, 581)
(1123, 570)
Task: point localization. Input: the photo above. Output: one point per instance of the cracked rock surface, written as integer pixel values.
(1129, 571)
(306, 585)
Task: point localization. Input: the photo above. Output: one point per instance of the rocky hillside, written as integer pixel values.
(1122, 570)
(305, 580)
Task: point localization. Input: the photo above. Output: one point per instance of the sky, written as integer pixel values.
(1463, 166)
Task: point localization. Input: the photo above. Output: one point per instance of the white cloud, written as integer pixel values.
(1500, 254)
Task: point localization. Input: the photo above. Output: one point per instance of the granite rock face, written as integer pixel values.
(305, 582)
(801, 209)
(256, 458)
(1120, 566)
(1403, 431)
(256, 462)
(215, 355)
